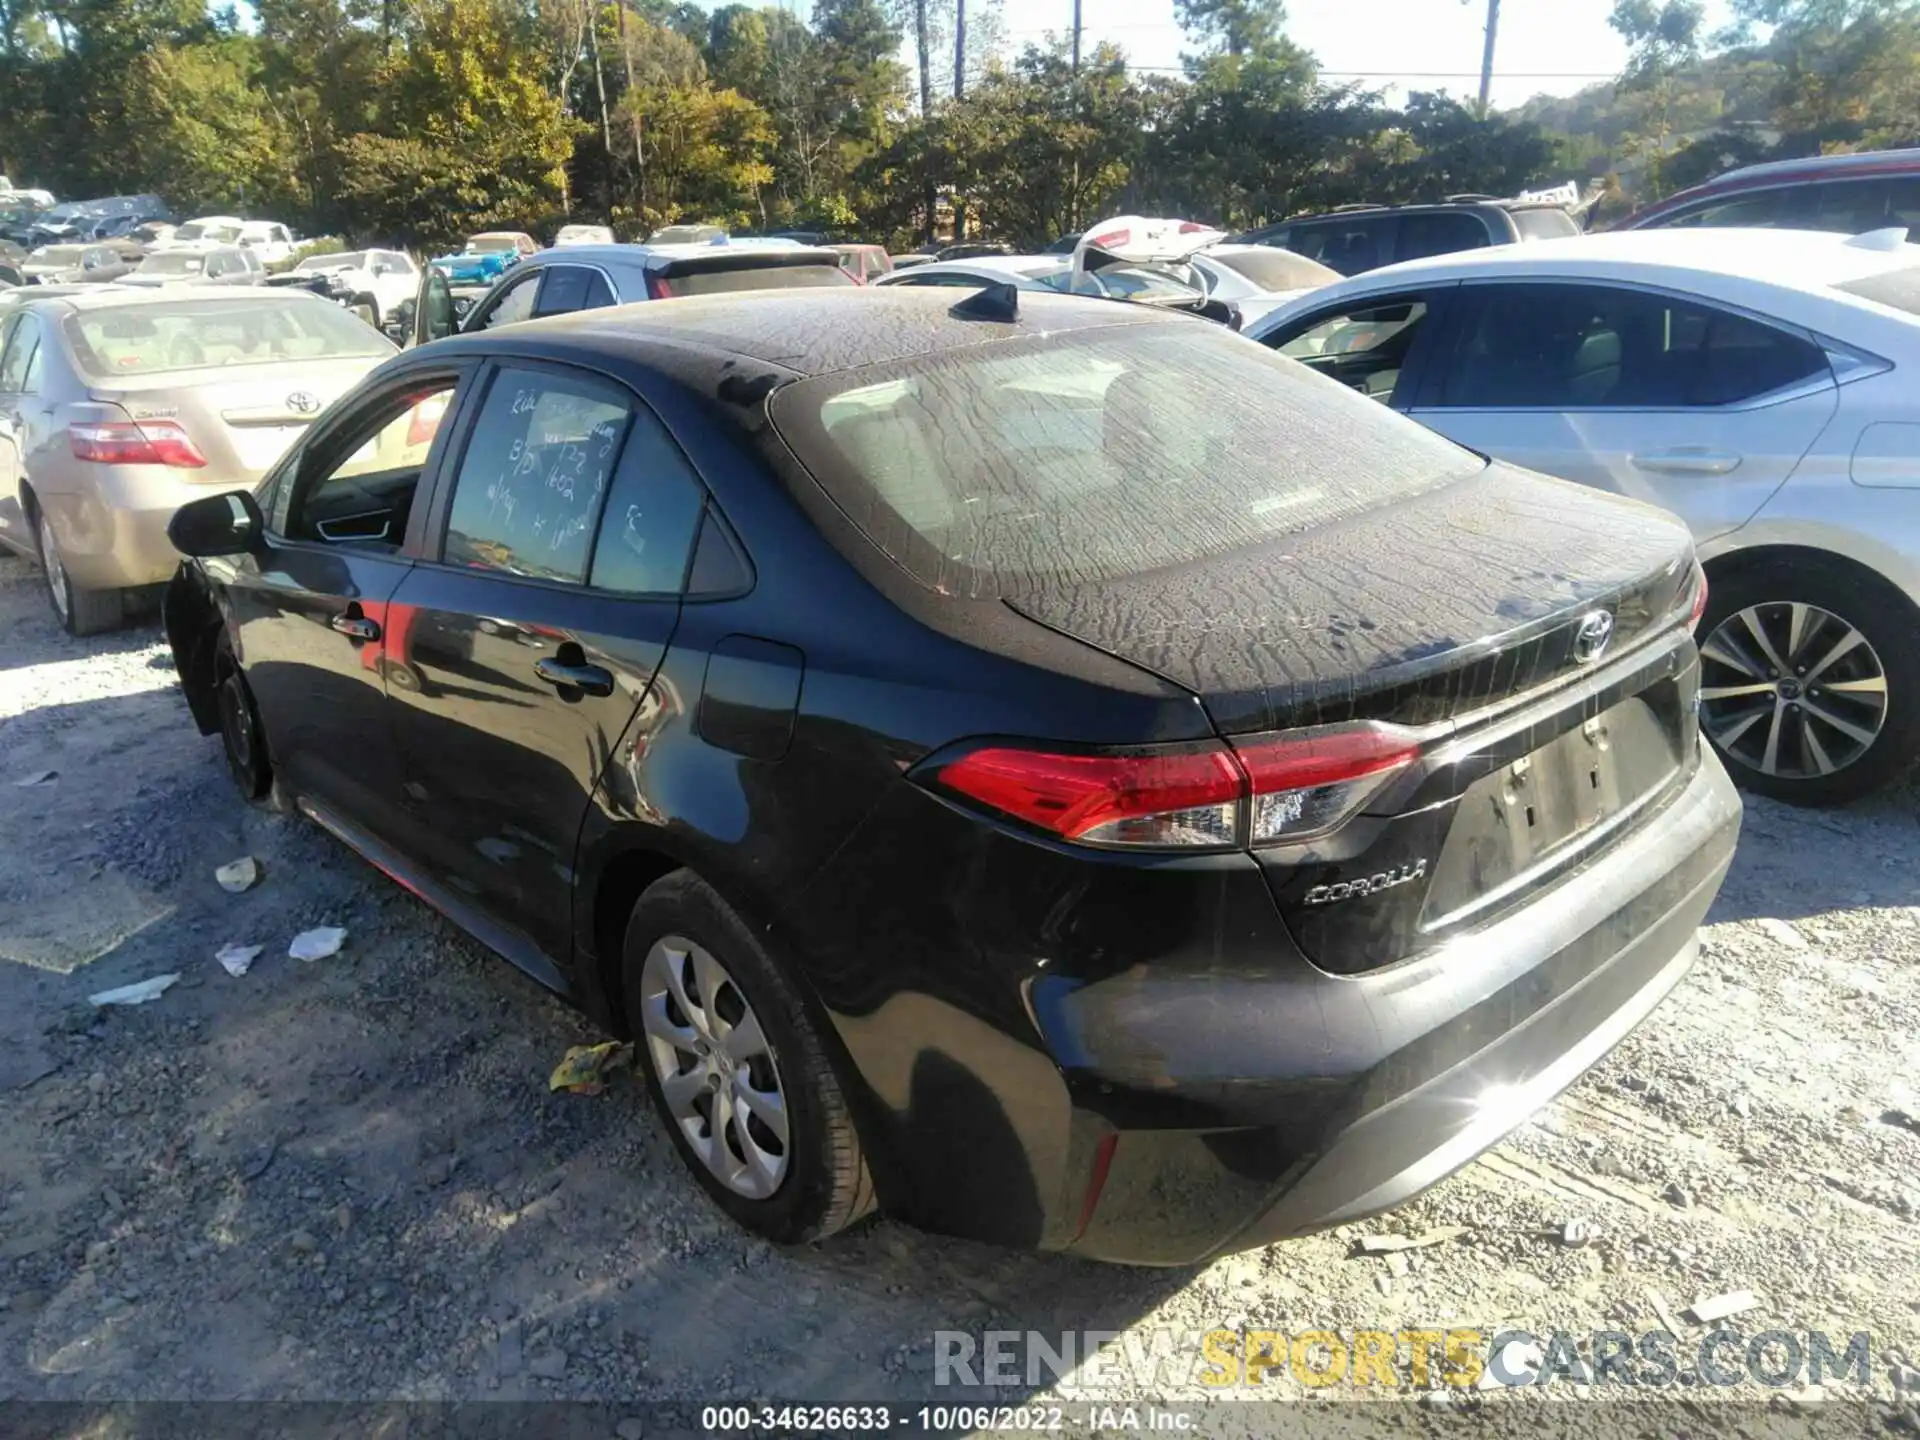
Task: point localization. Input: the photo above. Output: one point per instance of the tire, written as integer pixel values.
(80, 612)
(242, 738)
(1823, 715)
(817, 1182)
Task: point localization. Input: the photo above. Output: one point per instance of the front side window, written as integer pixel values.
(1364, 349)
(529, 491)
(1093, 454)
(1760, 209)
(359, 489)
(1578, 347)
(515, 303)
(1440, 232)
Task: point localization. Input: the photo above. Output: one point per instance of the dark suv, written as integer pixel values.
(1357, 238)
(1851, 194)
(1046, 767)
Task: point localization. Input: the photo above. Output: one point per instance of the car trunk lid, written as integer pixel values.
(243, 419)
(1469, 614)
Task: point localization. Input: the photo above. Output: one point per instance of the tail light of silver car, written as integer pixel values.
(1698, 605)
(1256, 790)
(135, 442)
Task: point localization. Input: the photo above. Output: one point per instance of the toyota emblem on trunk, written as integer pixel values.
(303, 402)
(1590, 639)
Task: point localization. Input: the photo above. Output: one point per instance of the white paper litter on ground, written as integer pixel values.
(235, 959)
(135, 994)
(38, 778)
(317, 944)
(238, 875)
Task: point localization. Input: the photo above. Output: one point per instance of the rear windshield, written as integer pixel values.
(677, 281)
(490, 244)
(1091, 454)
(189, 334)
(1546, 223)
(1899, 289)
(1272, 269)
(171, 263)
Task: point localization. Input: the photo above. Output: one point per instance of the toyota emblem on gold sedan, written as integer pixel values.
(303, 402)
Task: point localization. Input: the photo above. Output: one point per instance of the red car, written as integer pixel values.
(1848, 193)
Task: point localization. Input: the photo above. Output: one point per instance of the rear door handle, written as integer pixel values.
(588, 679)
(1686, 462)
(354, 625)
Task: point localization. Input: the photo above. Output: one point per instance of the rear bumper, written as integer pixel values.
(1374, 1087)
(107, 547)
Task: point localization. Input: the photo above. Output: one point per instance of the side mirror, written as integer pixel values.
(229, 524)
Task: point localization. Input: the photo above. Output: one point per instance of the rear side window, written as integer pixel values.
(652, 515)
(1544, 223)
(572, 287)
(1000, 467)
(528, 493)
(677, 282)
(1440, 232)
(18, 361)
(1364, 349)
(1578, 347)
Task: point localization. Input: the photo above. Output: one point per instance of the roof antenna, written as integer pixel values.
(995, 302)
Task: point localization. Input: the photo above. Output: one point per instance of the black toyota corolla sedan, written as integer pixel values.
(1049, 769)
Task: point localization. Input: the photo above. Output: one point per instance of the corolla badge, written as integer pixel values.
(1590, 639)
(1367, 884)
(303, 402)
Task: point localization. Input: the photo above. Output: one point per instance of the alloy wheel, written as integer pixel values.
(1791, 690)
(715, 1068)
(56, 572)
(236, 726)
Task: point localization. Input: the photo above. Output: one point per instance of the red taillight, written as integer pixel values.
(1261, 791)
(424, 419)
(657, 288)
(1146, 797)
(1192, 227)
(131, 442)
(1308, 782)
(1112, 238)
(1699, 605)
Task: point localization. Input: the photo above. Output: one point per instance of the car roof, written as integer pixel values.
(1799, 259)
(1868, 160)
(804, 332)
(102, 297)
(1021, 267)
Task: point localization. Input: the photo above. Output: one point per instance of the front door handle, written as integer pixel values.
(1687, 462)
(588, 679)
(355, 625)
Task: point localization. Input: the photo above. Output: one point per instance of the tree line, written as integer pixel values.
(416, 121)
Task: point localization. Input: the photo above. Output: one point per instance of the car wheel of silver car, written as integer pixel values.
(736, 1068)
(80, 612)
(1810, 679)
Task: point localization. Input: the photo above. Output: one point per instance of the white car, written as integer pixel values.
(204, 233)
(380, 280)
(1759, 383)
(582, 235)
(1256, 279)
(226, 265)
(268, 239)
(1049, 272)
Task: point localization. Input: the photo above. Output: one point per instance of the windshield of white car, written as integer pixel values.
(190, 334)
(1098, 453)
(345, 260)
(168, 263)
(194, 231)
(1272, 269)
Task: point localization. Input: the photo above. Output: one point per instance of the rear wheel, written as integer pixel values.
(1810, 680)
(80, 612)
(737, 1073)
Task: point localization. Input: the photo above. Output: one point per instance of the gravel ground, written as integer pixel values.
(346, 1179)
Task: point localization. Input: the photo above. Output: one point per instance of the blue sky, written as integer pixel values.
(1545, 46)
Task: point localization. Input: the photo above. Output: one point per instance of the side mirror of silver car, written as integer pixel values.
(229, 524)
